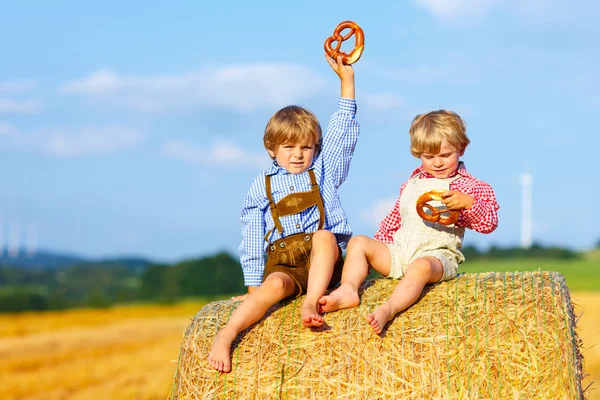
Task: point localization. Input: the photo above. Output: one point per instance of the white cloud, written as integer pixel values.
(98, 83)
(7, 129)
(448, 73)
(383, 101)
(377, 211)
(549, 10)
(457, 9)
(70, 142)
(466, 12)
(13, 87)
(222, 153)
(10, 106)
(93, 140)
(241, 87)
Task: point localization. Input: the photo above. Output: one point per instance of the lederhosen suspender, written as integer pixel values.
(295, 203)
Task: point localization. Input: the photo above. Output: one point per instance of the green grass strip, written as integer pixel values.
(294, 307)
(448, 334)
(570, 333)
(458, 338)
(279, 351)
(487, 331)
(500, 379)
(475, 355)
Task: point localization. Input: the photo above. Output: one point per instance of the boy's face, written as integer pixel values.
(442, 164)
(295, 158)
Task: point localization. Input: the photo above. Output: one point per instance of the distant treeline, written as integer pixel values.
(535, 251)
(102, 284)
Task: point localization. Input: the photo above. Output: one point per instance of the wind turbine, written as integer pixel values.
(14, 236)
(31, 240)
(1, 235)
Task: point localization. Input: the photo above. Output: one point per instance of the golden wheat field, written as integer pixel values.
(131, 352)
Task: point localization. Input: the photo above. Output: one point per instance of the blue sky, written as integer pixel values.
(134, 128)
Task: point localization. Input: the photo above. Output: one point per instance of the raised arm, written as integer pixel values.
(346, 75)
(342, 132)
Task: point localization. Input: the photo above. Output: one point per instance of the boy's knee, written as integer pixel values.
(325, 237)
(421, 267)
(358, 242)
(277, 284)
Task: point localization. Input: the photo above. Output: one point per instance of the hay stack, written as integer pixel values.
(490, 335)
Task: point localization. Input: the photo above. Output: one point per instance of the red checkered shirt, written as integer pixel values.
(481, 217)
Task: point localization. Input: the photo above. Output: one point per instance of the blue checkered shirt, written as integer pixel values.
(331, 169)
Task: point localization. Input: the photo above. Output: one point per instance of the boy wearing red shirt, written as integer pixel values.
(407, 247)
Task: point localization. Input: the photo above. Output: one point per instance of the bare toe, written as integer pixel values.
(220, 353)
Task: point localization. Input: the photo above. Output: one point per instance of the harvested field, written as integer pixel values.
(478, 336)
(147, 371)
(122, 353)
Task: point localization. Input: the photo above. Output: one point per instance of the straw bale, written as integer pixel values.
(479, 336)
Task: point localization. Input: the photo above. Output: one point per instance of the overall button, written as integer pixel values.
(282, 245)
(306, 238)
(272, 247)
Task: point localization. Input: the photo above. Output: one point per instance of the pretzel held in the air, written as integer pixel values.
(338, 38)
(436, 215)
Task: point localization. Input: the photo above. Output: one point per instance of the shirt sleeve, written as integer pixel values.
(391, 223)
(251, 249)
(340, 140)
(483, 215)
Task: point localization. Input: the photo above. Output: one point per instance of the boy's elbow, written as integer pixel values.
(489, 228)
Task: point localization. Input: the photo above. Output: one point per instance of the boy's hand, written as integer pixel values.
(243, 296)
(456, 200)
(346, 74)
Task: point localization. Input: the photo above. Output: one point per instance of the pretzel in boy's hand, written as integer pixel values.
(337, 37)
(442, 216)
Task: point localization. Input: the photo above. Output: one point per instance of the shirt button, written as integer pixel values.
(297, 226)
(292, 188)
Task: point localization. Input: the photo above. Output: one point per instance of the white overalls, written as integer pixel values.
(418, 238)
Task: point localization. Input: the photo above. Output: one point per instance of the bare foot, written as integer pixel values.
(342, 297)
(311, 316)
(220, 353)
(378, 318)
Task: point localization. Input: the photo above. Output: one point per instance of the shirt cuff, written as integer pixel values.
(476, 212)
(252, 281)
(347, 105)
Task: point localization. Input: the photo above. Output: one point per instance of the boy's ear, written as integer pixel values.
(462, 152)
(271, 152)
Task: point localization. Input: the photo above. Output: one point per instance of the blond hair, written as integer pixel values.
(294, 125)
(428, 131)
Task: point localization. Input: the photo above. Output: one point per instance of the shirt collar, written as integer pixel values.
(275, 169)
(461, 170)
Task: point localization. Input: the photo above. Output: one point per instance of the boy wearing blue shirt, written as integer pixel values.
(293, 224)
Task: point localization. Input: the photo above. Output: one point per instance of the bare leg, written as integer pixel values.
(362, 252)
(276, 287)
(323, 257)
(419, 273)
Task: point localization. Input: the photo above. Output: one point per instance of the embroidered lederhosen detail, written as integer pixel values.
(291, 254)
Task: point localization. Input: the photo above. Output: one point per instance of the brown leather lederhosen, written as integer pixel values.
(291, 254)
